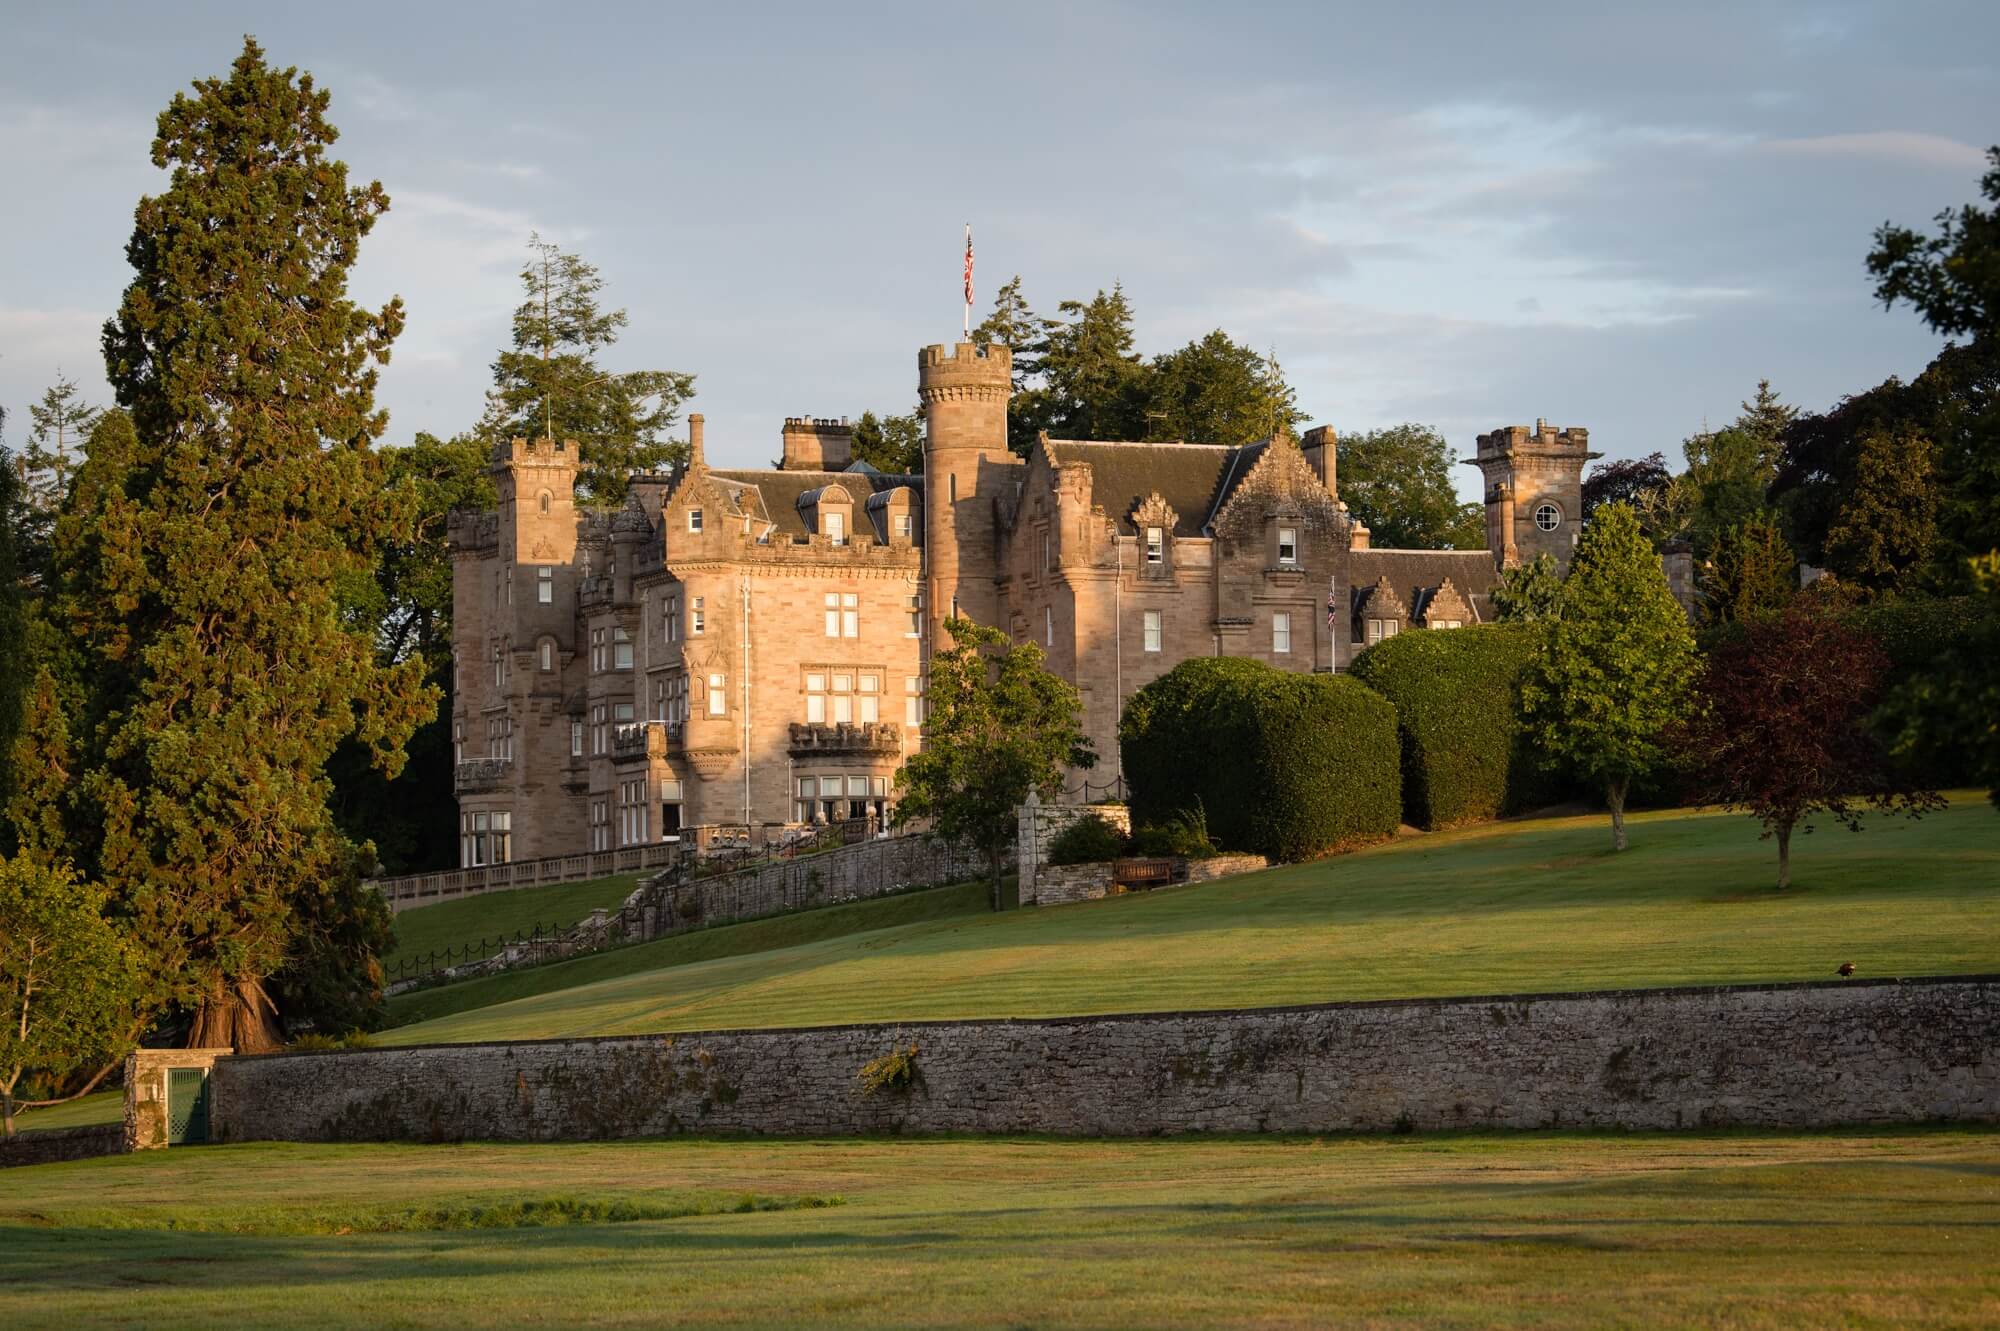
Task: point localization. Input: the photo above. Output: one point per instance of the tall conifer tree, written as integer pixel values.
(209, 591)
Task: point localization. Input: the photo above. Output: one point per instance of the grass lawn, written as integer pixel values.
(98, 1107)
(777, 932)
(1501, 908)
(1866, 1230)
(491, 914)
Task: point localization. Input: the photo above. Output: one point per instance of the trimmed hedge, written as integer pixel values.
(1282, 764)
(1458, 717)
(1086, 841)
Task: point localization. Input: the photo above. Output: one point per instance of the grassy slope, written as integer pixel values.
(98, 1107)
(777, 932)
(491, 914)
(1495, 909)
(1747, 1231)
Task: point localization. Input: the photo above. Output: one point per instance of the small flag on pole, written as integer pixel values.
(968, 281)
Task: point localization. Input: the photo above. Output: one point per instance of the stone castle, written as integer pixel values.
(749, 647)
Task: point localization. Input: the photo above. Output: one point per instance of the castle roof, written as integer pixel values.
(773, 495)
(1192, 478)
(1416, 575)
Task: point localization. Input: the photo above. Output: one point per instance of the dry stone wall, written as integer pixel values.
(850, 873)
(48, 1145)
(1798, 1056)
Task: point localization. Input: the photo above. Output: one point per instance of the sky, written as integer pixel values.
(1463, 214)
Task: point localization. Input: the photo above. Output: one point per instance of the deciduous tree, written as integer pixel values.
(210, 584)
(1953, 277)
(1884, 533)
(1530, 591)
(1217, 391)
(550, 384)
(1615, 670)
(1624, 481)
(1781, 730)
(998, 723)
(894, 444)
(67, 983)
(1398, 483)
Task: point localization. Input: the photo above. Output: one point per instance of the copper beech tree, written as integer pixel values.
(1781, 730)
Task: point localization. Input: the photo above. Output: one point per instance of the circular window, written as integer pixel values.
(1548, 517)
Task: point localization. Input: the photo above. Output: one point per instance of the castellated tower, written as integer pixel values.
(1534, 490)
(964, 391)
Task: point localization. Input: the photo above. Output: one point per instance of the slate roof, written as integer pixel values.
(773, 495)
(1192, 478)
(1416, 574)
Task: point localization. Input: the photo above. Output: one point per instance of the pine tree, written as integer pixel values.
(1216, 391)
(1765, 420)
(61, 421)
(206, 576)
(893, 444)
(549, 383)
(1096, 385)
(1750, 572)
(1615, 671)
(1014, 325)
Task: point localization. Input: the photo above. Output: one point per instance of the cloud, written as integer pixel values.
(1930, 150)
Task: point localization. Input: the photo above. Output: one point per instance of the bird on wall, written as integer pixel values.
(1846, 969)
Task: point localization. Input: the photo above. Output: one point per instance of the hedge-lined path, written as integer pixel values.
(1533, 906)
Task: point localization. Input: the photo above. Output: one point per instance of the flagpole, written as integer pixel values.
(968, 281)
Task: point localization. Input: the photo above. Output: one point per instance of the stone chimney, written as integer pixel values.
(1320, 448)
(817, 444)
(695, 458)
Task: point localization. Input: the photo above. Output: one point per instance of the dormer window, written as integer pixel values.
(1156, 545)
(1288, 545)
(694, 519)
(836, 528)
(902, 526)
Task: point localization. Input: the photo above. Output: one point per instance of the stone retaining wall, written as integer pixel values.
(48, 1145)
(1791, 1056)
(1037, 824)
(848, 873)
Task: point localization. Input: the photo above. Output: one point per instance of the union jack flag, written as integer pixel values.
(1332, 607)
(968, 263)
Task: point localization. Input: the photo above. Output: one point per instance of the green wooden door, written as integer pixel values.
(187, 1106)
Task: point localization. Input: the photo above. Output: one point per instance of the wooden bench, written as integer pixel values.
(1149, 872)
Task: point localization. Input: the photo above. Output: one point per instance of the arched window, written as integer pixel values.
(542, 500)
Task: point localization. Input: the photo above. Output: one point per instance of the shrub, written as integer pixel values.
(1457, 696)
(1086, 841)
(896, 1071)
(1285, 765)
(1185, 834)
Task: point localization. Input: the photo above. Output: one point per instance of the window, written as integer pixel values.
(1152, 630)
(499, 666)
(503, 837)
(718, 695)
(458, 741)
(542, 501)
(903, 526)
(621, 714)
(1548, 517)
(548, 659)
(1379, 629)
(843, 614)
(670, 618)
(545, 586)
(485, 837)
(913, 700)
(621, 649)
(1288, 545)
(696, 617)
(576, 739)
(1048, 625)
(1281, 631)
(951, 487)
(634, 815)
(507, 577)
(843, 698)
(868, 704)
(597, 655)
(597, 725)
(1048, 560)
(913, 607)
(816, 697)
(694, 519)
(1447, 623)
(600, 824)
(500, 737)
(836, 528)
(1156, 546)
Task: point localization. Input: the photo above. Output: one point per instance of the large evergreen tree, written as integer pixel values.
(1217, 391)
(1398, 482)
(893, 444)
(1885, 531)
(208, 589)
(1615, 670)
(1014, 325)
(1096, 385)
(61, 421)
(550, 384)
